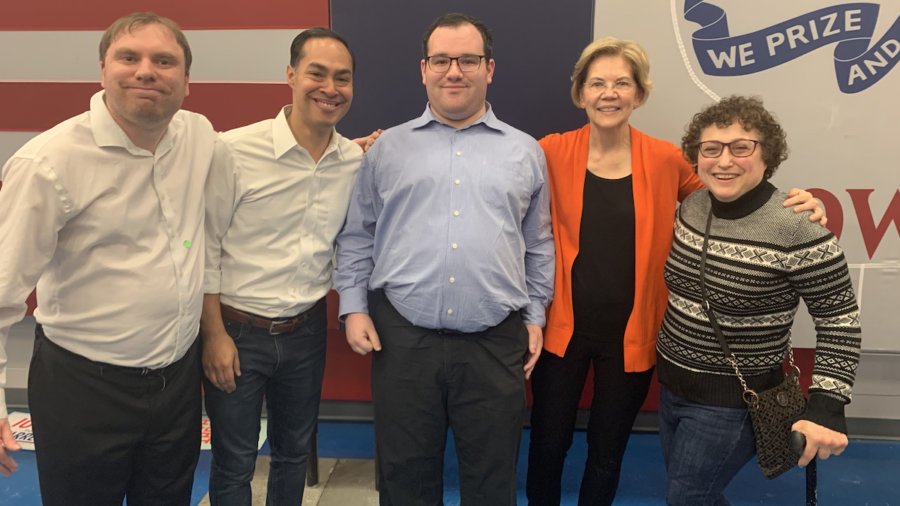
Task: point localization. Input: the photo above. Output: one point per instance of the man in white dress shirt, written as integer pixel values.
(104, 212)
(277, 196)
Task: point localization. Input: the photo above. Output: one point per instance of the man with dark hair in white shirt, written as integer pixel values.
(277, 196)
(104, 212)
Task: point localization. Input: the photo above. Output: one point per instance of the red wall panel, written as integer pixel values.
(38, 106)
(191, 15)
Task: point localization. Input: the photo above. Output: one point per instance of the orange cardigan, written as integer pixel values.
(661, 177)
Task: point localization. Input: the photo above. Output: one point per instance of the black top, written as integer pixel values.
(603, 271)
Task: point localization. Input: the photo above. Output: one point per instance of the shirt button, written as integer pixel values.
(459, 153)
(455, 213)
(454, 245)
(449, 311)
(456, 182)
(452, 279)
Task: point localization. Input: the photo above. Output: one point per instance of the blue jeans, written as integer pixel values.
(287, 370)
(703, 446)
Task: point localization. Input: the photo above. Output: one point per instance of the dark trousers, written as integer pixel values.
(556, 386)
(103, 433)
(424, 381)
(285, 369)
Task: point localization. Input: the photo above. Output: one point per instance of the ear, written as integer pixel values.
(490, 70)
(423, 68)
(581, 104)
(187, 84)
(103, 74)
(291, 75)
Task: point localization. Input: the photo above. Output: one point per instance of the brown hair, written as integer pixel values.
(750, 113)
(126, 24)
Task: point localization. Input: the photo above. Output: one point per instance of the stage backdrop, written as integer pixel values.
(825, 67)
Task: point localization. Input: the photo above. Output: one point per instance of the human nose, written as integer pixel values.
(329, 87)
(145, 69)
(454, 69)
(725, 157)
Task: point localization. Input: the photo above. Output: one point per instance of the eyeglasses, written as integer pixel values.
(739, 148)
(619, 85)
(466, 62)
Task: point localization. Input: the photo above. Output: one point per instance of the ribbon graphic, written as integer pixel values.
(857, 64)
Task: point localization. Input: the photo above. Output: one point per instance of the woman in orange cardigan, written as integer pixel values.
(614, 194)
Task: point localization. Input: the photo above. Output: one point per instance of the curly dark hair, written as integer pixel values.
(750, 113)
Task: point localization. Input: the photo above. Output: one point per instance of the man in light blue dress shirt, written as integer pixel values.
(445, 267)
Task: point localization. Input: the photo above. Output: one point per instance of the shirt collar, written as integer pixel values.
(488, 119)
(108, 133)
(283, 139)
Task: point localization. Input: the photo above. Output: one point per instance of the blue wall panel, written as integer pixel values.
(536, 43)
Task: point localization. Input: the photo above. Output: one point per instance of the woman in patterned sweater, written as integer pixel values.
(762, 258)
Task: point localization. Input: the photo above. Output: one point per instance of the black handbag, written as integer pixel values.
(772, 411)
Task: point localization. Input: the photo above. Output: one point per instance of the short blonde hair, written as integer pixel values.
(633, 53)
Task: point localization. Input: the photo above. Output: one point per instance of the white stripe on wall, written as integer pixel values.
(219, 55)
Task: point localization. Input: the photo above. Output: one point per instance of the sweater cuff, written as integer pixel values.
(827, 412)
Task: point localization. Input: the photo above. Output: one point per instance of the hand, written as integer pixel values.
(366, 142)
(535, 345)
(802, 200)
(221, 362)
(361, 334)
(7, 444)
(821, 442)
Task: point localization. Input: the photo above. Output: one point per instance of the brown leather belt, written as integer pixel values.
(274, 326)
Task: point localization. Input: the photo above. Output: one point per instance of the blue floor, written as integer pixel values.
(867, 474)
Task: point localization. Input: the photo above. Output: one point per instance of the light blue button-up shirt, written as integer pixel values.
(453, 224)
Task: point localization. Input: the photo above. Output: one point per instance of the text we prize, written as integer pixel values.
(858, 62)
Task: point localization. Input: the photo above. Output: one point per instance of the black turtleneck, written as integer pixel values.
(745, 204)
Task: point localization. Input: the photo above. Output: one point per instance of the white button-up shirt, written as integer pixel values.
(272, 215)
(113, 236)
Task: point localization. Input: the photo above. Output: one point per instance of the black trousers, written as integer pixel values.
(103, 432)
(556, 386)
(424, 381)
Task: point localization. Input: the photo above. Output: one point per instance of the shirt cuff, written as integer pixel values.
(826, 411)
(353, 300)
(212, 281)
(535, 314)
(3, 412)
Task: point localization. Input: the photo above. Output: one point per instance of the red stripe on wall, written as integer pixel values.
(194, 14)
(34, 107)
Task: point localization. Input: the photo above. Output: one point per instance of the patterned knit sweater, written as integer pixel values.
(762, 258)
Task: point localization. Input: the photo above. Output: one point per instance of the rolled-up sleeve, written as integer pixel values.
(221, 202)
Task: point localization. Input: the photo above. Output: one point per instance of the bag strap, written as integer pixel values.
(750, 396)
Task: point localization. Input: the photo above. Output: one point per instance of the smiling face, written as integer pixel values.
(610, 93)
(144, 75)
(321, 83)
(457, 97)
(728, 177)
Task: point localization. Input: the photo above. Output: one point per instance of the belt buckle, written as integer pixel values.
(273, 324)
